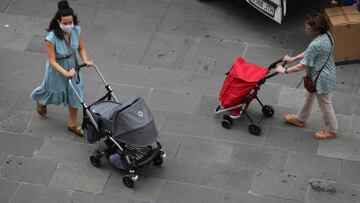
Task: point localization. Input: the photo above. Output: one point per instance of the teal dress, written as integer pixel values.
(55, 88)
(315, 57)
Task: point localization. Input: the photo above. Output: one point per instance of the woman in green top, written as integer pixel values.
(317, 55)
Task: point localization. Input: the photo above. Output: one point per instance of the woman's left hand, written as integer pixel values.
(280, 69)
(88, 63)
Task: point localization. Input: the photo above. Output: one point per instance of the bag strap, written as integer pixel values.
(317, 77)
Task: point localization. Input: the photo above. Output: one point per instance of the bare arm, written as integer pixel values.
(83, 53)
(50, 50)
(292, 69)
(291, 59)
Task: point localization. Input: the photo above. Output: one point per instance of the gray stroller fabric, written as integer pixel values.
(131, 122)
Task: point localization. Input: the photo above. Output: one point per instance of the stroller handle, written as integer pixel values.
(275, 73)
(78, 67)
(273, 65)
(107, 86)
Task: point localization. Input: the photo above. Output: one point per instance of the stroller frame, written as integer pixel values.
(268, 110)
(156, 157)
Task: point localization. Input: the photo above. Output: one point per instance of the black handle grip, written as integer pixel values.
(77, 68)
(274, 73)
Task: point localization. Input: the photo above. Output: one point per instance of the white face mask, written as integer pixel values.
(66, 28)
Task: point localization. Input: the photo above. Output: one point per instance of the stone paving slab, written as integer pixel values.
(3, 157)
(349, 172)
(175, 102)
(106, 4)
(331, 192)
(62, 151)
(32, 8)
(344, 148)
(146, 189)
(28, 170)
(34, 193)
(4, 5)
(18, 144)
(292, 140)
(87, 179)
(187, 124)
(16, 122)
(14, 40)
(202, 85)
(280, 184)
(257, 157)
(174, 192)
(8, 188)
(224, 177)
(85, 197)
(314, 166)
(205, 150)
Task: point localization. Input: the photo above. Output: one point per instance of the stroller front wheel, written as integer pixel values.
(268, 110)
(226, 122)
(254, 129)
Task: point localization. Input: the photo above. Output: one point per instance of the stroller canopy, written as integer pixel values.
(131, 122)
(134, 124)
(247, 72)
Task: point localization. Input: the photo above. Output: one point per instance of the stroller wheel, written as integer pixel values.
(128, 182)
(226, 122)
(95, 160)
(268, 110)
(158, 161)
(254, 129)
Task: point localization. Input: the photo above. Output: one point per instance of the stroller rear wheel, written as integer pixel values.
(95, 160)
(128, 182)
(268, 110)
(158, 161)
(254, 129)
(227, 122)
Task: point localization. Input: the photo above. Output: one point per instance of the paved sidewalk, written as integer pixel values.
(174, 54)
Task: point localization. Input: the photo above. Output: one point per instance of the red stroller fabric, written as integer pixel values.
(242, 78)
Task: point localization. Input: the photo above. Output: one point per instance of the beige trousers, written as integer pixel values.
(324, 101)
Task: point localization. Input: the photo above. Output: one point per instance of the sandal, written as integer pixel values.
(324, 134)
(77, 130)
(291, 118)
(41, 109)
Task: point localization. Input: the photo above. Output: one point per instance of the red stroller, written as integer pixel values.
(240, 87)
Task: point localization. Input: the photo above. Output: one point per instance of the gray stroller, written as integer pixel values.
(128, 131)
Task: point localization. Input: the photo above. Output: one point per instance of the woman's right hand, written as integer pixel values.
(289, 59)
(70, 73)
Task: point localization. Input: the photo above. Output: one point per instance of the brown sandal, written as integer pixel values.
(324, 134)
(291, 118)
(41, 109)
(77, 130)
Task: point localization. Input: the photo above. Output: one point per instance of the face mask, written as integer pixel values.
(66, 28)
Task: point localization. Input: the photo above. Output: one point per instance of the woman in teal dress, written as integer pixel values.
(61, 42)
(317, 55)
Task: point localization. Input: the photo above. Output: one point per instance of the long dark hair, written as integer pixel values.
(63, 10)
